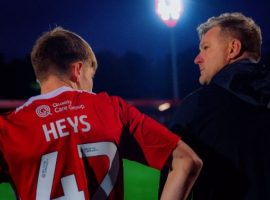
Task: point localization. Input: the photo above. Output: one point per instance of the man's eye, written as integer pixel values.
(205, 47)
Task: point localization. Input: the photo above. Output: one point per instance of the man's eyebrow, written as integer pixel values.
(202, 44)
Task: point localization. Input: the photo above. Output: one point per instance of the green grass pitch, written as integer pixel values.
(141, 182)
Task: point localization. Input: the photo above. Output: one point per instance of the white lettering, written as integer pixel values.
(60, 127)
(87, 125)
(47, 131)
(78, 107)
(67, 102)
(60, 109)
(74, 124)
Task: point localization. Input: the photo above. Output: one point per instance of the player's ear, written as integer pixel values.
(75, 71)
(234, 49)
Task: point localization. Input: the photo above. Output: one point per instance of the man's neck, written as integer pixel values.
(243, 56)
(53, 83)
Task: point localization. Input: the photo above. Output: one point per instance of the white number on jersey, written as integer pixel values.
(69, 184)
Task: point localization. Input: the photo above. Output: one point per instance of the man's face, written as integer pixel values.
(213, 56)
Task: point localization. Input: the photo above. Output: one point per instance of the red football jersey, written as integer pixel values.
(69, 144)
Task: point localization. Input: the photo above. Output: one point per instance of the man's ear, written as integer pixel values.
(76, 70)
(234, 49)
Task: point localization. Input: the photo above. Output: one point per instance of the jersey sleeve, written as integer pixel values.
(154, 139)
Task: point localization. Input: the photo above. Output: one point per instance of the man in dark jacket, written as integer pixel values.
(227, 121)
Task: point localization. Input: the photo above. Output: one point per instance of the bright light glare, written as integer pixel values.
(164, 106)
(169, 9)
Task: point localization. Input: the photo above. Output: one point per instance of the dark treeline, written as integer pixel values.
(132, 75)
(17, 80)
(136, 76)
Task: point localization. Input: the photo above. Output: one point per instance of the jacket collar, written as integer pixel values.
(247, 80)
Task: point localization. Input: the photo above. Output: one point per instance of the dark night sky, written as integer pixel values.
(120, 27)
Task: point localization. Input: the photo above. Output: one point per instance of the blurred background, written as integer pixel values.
(140, 57)
(132, 43)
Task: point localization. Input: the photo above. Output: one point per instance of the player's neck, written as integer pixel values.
(53, 83)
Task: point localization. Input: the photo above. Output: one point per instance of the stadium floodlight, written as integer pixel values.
(164, 106)
(169, 11)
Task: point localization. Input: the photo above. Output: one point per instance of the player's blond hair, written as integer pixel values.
(55, 50)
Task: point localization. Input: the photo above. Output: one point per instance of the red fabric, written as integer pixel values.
(75, 136)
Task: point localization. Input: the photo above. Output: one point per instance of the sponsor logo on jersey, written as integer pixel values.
(43, 111)
(66, 105)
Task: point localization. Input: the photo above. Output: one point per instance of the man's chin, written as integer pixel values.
(203, 81)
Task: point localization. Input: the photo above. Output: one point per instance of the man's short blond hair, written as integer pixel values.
(238, 26)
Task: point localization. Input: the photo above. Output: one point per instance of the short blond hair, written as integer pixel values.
(238, 26)
(55, 50)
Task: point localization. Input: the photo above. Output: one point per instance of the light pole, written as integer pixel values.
(169, 11)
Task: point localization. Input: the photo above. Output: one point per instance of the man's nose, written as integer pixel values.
(198, 59)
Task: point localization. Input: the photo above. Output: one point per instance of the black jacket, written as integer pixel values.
(228, 124)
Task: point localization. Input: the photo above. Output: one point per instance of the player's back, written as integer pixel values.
(55, 143)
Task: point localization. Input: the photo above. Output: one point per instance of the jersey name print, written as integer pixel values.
(58, 128)
(67, 144)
